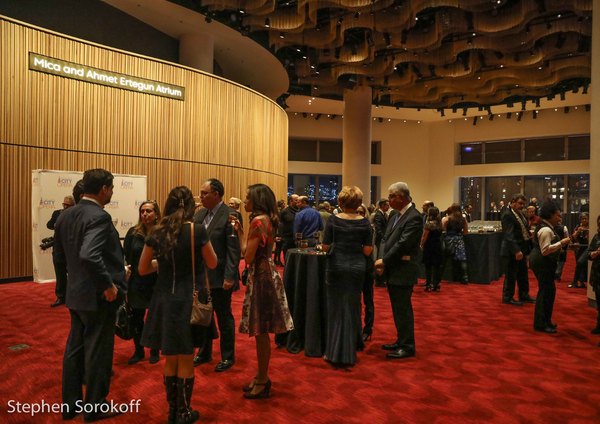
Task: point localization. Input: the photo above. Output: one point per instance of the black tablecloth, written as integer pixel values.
(483, 258)
(304, 280)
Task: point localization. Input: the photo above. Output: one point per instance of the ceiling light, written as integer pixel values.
(281, 35)
(267, 23)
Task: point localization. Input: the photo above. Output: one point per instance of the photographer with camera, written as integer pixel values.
(59, 268)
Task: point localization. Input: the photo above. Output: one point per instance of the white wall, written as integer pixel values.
(424, 155)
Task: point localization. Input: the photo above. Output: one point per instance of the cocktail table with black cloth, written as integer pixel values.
(304, 280)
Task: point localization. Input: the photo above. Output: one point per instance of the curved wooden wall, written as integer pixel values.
(220, 130)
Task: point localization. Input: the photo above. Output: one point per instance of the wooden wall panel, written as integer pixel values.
(221, 130)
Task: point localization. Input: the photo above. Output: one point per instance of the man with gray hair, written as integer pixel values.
(398, 260)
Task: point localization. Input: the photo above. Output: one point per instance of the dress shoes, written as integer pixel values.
(548, 330)
(552, 325)
(596, 330)
(390, 346)
(100, 416)
(137, 356)
(57, 302)
(198, 360)
(224, 365)
(512, 302)
(401, 353)
(154, 356)
(527, 299)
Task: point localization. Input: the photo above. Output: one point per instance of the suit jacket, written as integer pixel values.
(50, 225)
(400, 248)
(380, 222)
(226, 248)
(513, 240)
(86, 240)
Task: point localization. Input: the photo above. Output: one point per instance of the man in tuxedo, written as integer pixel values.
(224, 279)
(88, 243)
(285, 230)
(398, 260)
(514, 249)
(60, 270)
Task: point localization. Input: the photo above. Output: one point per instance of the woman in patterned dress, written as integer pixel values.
(265, 309)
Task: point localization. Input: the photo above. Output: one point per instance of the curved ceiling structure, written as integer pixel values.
(421, 53)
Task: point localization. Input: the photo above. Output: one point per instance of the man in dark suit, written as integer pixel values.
(225, 277)
(514, 249)
(60, 270)
(88, 243)
(398, 260)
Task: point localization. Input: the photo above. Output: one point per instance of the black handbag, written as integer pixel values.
(124, 322)
(244, 277)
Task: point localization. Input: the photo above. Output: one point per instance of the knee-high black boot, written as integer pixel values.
(171, 389)
(185, 413)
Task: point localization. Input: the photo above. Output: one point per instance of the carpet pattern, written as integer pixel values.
(477, 361)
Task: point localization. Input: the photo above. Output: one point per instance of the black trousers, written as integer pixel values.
(89, 354)
(400, 298)
(60, 269)
(433, 275)
(221, 300)
(515, 272)
(367, 293)
(544, 303)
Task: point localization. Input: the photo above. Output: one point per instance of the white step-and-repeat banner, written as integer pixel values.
(49, 188)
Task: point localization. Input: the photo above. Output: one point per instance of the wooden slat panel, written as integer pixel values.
(221, 130)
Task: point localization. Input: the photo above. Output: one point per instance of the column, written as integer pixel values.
(356, 153)
(595, 128)
(197, 51)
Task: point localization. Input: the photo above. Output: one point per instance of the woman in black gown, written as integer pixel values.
(140, 288)
(168, 325)
(349, 240)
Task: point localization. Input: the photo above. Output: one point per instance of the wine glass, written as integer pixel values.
(232, 219)
(298, 238)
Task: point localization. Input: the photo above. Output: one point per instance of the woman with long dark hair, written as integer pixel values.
(455, 226)
(168, 325)
(543, 260)
(265, 309)
(140, 287)
(431, 244)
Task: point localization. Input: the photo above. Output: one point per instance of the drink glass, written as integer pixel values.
(298, 239)
(232, 219)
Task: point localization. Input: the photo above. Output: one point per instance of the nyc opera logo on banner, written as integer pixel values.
(139, 203)
(126, 185)
(64, 182)
(35, 181)
(50, 65)
(112, 205)
(46, 204)
(125, 225)
(34, 226)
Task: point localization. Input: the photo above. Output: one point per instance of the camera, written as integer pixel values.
(47, 243)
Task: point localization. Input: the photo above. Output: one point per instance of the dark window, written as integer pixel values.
(470, 153)
(376, 153)
(544, 149)
(303, 150)
(503, 151)
(579, 147)
(330, 151)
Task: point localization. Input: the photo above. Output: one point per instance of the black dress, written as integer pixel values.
(544, 268)
(346, 267)
(168, 325)
(140, 287)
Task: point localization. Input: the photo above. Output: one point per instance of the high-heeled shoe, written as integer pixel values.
(263, 394)
(366, 337)
(250, 386)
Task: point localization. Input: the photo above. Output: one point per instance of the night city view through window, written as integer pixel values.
(318, 188)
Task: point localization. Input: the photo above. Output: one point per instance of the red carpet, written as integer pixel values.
(477, 361)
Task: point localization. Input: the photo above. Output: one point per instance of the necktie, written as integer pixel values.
(209, 217)
(396, 218)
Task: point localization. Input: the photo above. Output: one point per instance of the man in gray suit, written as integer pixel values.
(225, 277)
(398, 260)
(88, 243)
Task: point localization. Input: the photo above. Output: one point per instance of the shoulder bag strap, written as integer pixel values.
(193, 258)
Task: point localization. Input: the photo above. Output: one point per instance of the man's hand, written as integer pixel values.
(110, 293)
(379, 266)
(519, 255)
(227, 285)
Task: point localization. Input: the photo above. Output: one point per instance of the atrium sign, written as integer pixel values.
(66, 69)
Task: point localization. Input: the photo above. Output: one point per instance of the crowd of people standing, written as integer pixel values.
(169, 256)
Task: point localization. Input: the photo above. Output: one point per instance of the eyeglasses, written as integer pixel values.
(205, 193)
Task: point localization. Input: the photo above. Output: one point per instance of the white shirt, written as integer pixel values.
(545, 235)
